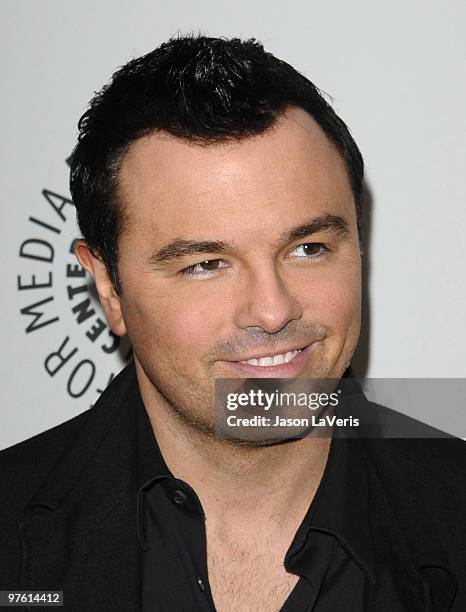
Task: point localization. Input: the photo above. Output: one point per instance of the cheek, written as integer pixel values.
(173, 322)
(334, 300)
(191, 326)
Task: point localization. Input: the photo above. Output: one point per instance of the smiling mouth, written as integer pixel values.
(274, 360)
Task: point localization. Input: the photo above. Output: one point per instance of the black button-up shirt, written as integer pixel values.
(331, 550)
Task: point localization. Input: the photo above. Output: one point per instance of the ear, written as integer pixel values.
(107, 295)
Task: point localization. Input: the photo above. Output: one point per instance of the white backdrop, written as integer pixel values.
(396, 72)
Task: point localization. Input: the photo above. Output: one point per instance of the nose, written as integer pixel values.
(266, 302)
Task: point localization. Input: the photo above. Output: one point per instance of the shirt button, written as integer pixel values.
(179, 497)
(200, 584)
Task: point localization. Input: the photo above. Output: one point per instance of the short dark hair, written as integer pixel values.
(199, 89)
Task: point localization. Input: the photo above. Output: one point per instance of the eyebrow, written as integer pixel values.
(338, 225)
(179, 248)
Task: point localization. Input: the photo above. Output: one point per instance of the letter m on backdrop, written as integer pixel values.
(34, 311)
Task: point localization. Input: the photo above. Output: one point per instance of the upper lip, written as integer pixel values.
(260, 355)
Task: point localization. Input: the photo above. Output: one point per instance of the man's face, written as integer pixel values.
(220, 263)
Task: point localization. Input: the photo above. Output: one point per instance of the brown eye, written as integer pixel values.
(311, 250)
(203, 268)
(209, 264)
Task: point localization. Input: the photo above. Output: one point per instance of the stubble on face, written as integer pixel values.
(184, 329)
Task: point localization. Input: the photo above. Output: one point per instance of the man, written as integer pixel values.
(219, 199)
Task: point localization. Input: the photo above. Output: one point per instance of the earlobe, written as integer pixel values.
(108, 297)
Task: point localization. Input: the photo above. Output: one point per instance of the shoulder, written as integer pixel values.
(425, 475)
(52, 460)
(439, 460)
(416, 447)
(23, 469)
(25, 465)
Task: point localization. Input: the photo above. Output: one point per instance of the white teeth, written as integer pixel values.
(273, 361)
(266, 361)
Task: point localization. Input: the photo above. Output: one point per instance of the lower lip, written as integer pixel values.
(284, 370)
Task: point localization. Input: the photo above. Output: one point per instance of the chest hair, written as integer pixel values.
(248, 580)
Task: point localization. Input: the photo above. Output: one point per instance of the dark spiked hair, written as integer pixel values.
(199, 89)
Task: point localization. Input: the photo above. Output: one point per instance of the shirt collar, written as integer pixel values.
(341, 504)
(149, 462)
(341, 507)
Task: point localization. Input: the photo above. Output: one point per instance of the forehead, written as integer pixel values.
(170, 187)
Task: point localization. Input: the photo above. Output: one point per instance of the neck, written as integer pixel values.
(276, 482)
